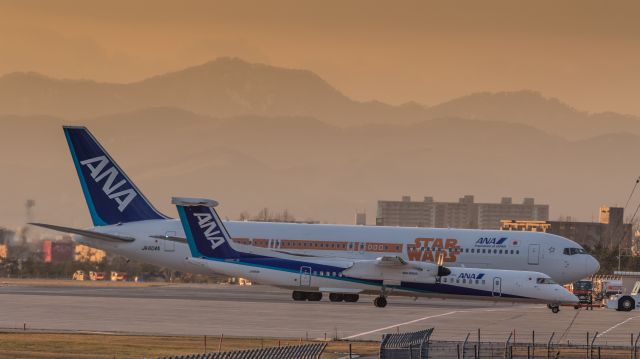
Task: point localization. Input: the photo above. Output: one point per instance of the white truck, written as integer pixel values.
(626, 302)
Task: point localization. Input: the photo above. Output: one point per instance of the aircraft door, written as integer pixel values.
(168, 244)
(497, 287)
(534, 254)
(305, 276)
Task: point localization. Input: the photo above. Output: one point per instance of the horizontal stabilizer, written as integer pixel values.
(170, 238)
(86, 233)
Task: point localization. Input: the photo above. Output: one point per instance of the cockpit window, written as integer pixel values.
(545, 281)
(572, 251)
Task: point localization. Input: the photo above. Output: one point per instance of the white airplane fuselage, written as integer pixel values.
(160, 242)
(461, 283)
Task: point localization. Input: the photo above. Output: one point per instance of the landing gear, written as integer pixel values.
(554, 308)
(296, 295)
(339, 297)
(380, 302)
(310, 296)
(351, 298)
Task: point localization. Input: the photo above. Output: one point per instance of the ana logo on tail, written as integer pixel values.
(210, 228)
(99, 171)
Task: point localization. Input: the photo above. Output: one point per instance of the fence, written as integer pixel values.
(305, 351)
(508, 349)
(413, 345)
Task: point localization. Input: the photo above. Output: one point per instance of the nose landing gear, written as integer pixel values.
(380, 302)
(555, 308)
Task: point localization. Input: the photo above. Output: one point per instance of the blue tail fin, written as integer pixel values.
(111, 196)
(206, 234)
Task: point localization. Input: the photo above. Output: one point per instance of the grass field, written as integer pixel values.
(71, 345)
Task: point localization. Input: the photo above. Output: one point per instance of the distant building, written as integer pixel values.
(462, 214)
(6, 236)
(361, 219)
(607, 232)
(57, 251)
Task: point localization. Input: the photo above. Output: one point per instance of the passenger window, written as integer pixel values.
(457, 280)
(512, 251)
(517, 252)
(477, 281)
(483, 251)
(472, 250)
(495, 251)
(483, 281)
(500, 251)
(464, 281)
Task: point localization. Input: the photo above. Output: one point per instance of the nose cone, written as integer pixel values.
(591, 265)
(569, 298)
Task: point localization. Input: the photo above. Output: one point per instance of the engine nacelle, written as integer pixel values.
(388, 272)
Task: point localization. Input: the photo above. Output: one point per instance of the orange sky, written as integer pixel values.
(586, 53)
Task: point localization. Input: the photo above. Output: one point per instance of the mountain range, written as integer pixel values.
(256, 136)
(229, 87)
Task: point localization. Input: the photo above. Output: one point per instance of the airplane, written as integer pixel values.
(211, 247)
(126, 223)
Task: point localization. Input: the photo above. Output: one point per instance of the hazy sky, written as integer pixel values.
(586, 53)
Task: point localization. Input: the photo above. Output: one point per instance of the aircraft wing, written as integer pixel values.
(86, 233)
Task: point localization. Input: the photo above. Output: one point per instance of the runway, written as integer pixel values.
(262, 311)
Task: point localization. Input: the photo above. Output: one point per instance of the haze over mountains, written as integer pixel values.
(252, 135)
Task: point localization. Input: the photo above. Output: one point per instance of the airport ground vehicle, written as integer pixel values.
(118, 276)
(309, 277)
(126, 223)
(96, 275)
(583, 289)
(79, 275)
(606, 287)
(626, 302)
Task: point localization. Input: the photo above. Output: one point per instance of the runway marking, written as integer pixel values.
(400, 324)
(432, 316)
(617, 325)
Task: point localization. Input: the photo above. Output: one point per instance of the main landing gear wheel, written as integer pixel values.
(310, 296)
(554, 308)
(297, 295)
(336, 297)
(380, 302)
(351, 298)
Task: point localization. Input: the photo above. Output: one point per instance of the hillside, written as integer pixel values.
(314, 169)
(229, 87)
(223, 87)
